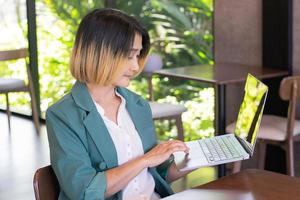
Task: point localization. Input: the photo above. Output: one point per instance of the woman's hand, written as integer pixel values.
(163, 151)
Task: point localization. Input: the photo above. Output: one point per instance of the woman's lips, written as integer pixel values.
(128, 76)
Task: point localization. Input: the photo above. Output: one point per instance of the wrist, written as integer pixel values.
(144, 161)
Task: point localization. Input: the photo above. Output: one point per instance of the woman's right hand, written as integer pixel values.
(163, 151)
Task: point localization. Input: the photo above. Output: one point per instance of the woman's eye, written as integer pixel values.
(131, 57)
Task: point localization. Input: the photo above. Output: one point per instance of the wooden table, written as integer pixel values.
(250, 184)
(220, 75)
(259, 184)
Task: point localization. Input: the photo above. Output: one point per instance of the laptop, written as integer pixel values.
(229, 147)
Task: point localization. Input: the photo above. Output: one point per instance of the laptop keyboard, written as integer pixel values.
(219, 148)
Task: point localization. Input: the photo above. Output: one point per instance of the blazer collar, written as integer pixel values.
(82, 97)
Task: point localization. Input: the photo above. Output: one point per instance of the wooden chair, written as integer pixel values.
(282, 131)
(162, 111)
(8, 85)
(45, 184)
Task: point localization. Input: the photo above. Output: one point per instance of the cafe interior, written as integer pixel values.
(194, 79)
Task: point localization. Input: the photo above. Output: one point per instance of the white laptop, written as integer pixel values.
(229, 147)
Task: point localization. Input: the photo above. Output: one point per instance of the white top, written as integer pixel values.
(128, 145)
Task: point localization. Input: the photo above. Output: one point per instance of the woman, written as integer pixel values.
(101, 135)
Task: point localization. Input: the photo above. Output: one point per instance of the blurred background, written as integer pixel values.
(180, 31)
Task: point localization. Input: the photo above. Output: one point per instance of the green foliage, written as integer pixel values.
(72, 11)
(180, 31)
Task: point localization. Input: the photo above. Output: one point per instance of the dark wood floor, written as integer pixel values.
(22, 151)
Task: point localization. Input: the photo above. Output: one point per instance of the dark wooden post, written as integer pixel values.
(32, 46)
(277, 53)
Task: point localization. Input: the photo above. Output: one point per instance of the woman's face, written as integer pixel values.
(131, 65)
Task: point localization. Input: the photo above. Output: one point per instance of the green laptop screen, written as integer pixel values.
(251, 109)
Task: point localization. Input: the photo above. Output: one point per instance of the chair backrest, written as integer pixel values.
(46, 186)
(290, 91)
(153, 63)
(19, 54)
(13, 54)
(287, 86)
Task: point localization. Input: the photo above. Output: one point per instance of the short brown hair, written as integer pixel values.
(103, 40)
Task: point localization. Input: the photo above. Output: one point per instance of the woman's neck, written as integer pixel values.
(103, 95)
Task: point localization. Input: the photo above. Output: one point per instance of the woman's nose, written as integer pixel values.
(135, 66)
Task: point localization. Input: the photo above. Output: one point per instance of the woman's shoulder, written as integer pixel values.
(65, 107)
(62, 104)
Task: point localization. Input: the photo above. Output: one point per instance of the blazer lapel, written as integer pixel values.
(95, 125)
(99, 133)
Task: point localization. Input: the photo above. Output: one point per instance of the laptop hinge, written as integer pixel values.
(246, 145)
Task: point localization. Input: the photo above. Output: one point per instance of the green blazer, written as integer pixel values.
(81, 149)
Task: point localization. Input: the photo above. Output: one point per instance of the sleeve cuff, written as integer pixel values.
(163, 169)
(97, 187)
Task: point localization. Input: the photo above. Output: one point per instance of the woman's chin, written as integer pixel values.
(123, 83)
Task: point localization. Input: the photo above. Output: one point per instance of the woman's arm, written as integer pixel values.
(119, 177)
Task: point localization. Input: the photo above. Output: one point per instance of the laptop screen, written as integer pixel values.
(251, 110)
